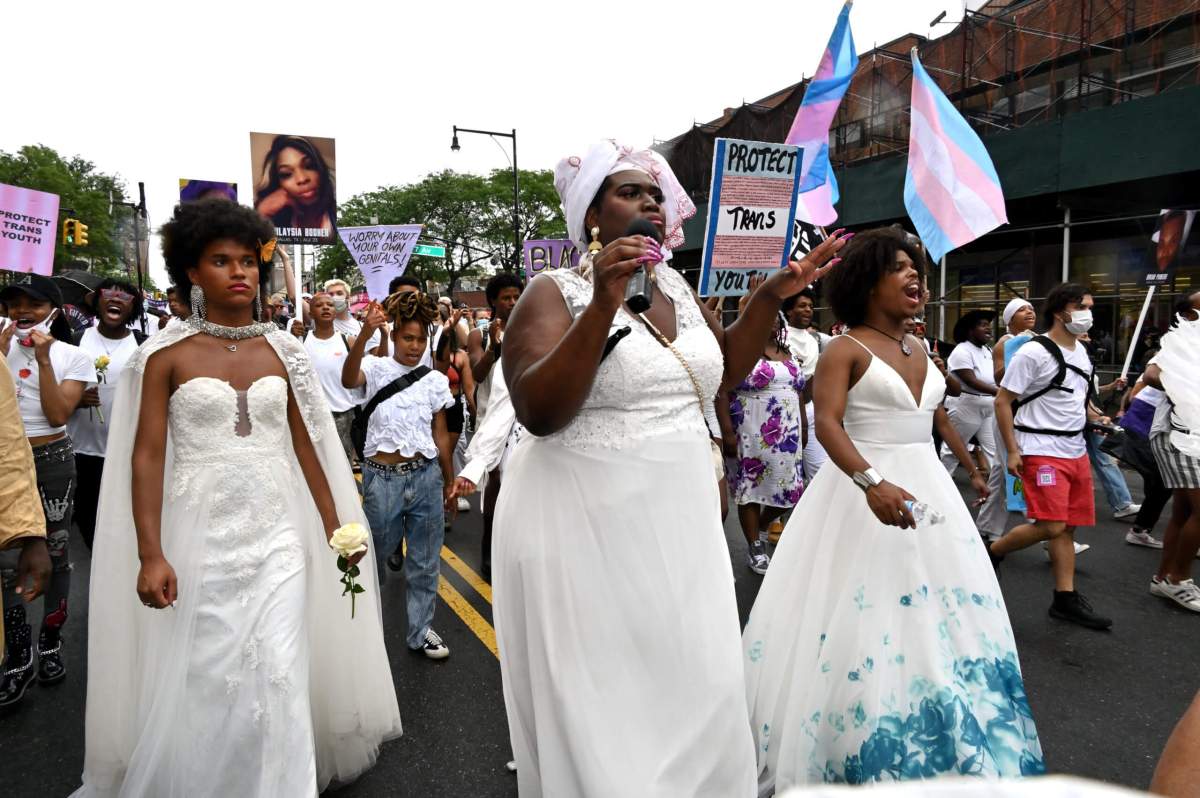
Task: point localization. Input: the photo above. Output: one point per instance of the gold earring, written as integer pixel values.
(595, 246)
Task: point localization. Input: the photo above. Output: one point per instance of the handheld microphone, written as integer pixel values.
(639, 292)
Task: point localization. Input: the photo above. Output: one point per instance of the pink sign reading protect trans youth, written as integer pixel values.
(28, 225)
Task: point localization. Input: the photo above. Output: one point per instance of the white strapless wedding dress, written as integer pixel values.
(880, 654)
(257, 683)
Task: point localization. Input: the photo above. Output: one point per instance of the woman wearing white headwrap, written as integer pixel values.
(615, 610)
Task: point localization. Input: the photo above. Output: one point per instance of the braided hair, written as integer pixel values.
(781, 333)
(405, 306)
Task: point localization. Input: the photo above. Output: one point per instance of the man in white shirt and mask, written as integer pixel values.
(343, 322)
(806, 345)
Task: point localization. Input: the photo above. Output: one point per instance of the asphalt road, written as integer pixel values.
(1104, 702)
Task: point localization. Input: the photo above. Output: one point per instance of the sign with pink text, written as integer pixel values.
(548, 254)
(28, 228)
(751, 210)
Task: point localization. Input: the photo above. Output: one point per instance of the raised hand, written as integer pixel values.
(800, 274)
(7, 329)
(376, 319)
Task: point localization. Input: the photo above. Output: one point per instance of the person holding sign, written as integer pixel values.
(407, 476)
(615, 612)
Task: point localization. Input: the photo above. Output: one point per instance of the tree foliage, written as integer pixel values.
(468, 214)
(90, 196)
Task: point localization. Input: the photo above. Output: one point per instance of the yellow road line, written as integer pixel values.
(470, 616)
(462, 569)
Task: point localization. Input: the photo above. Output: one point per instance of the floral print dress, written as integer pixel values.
(766, 411)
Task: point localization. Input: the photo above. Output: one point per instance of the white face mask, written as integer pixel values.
(340, 304)
(1081, 322)
(42, 326)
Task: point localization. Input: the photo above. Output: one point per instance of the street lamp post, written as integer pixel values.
(516, 184)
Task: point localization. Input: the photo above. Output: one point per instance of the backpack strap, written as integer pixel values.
(1056, 384)
(346, 341)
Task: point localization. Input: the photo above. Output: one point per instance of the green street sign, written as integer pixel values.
(432, 250)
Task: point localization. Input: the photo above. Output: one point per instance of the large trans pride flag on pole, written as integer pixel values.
(810, 129)
(951, 190)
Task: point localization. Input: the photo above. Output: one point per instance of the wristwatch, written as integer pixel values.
(867, 479)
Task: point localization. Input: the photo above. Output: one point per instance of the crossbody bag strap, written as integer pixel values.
(662, 339)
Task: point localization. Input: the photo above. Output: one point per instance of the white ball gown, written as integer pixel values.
(257, 682)
(875, 653)
(615, 611)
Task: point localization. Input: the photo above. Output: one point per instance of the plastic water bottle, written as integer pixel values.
(922, 513)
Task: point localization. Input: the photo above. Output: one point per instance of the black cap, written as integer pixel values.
(41, 288)
(969, 320)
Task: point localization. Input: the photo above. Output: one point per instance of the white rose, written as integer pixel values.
(349, 540)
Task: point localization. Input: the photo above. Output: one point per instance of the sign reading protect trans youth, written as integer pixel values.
(751, 208)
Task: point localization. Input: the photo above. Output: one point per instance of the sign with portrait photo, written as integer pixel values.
(294, 186)
(1170, 237)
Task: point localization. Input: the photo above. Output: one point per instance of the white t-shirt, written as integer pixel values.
(1031, 369)
(404, 422)
(328, 356)
(806, 348)
(88, 432)
(975, 358)
(352, 328)
(68, 363)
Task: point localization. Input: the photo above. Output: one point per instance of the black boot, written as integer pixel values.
(51, 667)
(1073, 607)
(18, 671)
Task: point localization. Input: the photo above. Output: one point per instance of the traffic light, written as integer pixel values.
(81, 231)
(68, 231)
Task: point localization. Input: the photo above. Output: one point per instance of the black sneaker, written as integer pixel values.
(18, 670)
(995, 558)
(395, 560)
(1073, 607)
(432, 646)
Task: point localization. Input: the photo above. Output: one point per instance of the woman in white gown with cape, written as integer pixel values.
(227, 663)
(879, 648)
(615, 612)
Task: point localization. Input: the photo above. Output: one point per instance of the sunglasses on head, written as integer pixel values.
(116, 293)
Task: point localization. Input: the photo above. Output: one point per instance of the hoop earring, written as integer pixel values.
(197, 301)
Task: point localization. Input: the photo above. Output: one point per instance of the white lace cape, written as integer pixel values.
(138, 658)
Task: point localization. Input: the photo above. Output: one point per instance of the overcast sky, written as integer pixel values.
(159, 91)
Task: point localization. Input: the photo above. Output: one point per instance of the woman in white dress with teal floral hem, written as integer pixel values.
(879, 647)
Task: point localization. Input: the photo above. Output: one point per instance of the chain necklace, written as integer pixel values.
(904, 347)
(233, 333)
(104, 338)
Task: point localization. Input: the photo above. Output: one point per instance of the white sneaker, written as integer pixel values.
(1128, 511)
(756, 557)
(1140, 537)
(433, 647)
(1080, 548)
(464, 506)
(1184, 593)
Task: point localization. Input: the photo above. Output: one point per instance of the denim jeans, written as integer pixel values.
(1108, 474)
(408, 507)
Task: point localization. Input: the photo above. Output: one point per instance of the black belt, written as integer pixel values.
(397, 468)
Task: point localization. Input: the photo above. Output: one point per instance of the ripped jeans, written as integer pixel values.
(54, 463)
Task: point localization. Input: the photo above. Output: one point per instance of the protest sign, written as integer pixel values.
(294, 186)
(381, 252)
(28, 228)
(191, 190)
(547, 254)
(1170, 236)
(752, 208)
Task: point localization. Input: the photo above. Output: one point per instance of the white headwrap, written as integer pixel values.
(1012, 307)
(578, 179)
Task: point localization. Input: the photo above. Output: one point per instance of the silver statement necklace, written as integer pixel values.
(232, 333)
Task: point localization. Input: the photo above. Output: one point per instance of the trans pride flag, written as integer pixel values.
(951, 190)
(810, 129)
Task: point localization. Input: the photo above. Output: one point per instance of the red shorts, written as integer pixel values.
(1058, 489)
